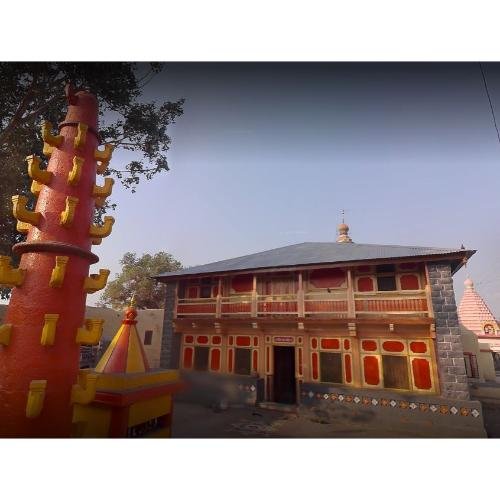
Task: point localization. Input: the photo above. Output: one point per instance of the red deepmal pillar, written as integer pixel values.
(45, 321)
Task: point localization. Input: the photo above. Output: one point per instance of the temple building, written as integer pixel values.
(373, 326)
(476, 318)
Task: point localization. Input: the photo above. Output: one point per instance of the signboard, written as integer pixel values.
(284, 340)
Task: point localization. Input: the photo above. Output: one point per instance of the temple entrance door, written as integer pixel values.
(284, 375)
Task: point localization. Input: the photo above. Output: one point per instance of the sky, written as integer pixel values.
(268, 154)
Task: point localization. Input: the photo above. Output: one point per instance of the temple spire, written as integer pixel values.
(343, 231)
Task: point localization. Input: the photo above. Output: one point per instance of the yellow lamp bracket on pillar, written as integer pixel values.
(76, 172)
(81, 135)
(103, 158)
(84, 391)
(21, 213)
(100, 193)
(49, 329)
(58, 272)
(35, 172)
(68, 214)
(48, 137)
(91, 333)
(5, 333)
(9, 276)
(23, 227)
(96, 282)
(36, 396)
(104, 230)
(35, 188)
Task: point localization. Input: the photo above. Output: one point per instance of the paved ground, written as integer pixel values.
(195, 421)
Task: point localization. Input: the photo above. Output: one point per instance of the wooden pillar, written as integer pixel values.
(300, 297)
(218, 299)
(351, 307)
(254, 297)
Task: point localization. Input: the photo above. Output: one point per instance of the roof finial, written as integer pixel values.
(132, 300)
(343, 230)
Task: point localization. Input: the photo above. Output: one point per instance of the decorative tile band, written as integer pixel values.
(246, 388)
(393, 403)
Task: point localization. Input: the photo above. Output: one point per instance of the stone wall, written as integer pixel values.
(449, 350)
(170, 342)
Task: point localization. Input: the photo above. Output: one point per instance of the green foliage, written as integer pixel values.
(33, 92)
(135, 281)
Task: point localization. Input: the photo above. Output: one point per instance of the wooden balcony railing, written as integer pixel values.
(335, 304)
(276, 304)
(414, 302)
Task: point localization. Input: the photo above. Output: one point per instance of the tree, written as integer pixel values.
(33, 92)
(135, 281)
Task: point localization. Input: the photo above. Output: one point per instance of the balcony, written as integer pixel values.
(391, 303)
(329, 305)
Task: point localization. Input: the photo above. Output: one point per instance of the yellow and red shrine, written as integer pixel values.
(130, 399)
(45, 323)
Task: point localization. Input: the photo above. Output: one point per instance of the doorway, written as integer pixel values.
(284, 375)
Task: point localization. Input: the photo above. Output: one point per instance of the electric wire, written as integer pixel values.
(489, 99)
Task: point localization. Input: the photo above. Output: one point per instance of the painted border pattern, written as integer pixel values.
(438, 409)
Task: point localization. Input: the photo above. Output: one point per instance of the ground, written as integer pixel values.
(197, 421)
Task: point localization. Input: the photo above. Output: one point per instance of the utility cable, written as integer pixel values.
(489, 99)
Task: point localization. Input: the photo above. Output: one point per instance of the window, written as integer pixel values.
(386, 268)
(386, 283)
(181, 290)
(331, 367)
(201, 358)
(471, 368)
(395, 372)
(148, 337)
(242, 362)
(206, 288)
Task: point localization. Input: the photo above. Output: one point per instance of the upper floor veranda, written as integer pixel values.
(363, 291)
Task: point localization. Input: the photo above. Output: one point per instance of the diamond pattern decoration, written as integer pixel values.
(252, 388)
(440, 409)
(444, 409)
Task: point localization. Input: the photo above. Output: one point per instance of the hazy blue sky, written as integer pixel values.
(267, 155)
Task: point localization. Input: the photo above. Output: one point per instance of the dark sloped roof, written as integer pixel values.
(316, 253)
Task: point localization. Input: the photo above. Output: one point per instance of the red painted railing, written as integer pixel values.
(236, 308)
(325, 306)
(391, 305)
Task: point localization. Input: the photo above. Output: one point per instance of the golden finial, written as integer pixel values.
(343, 230)
(132, 301)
